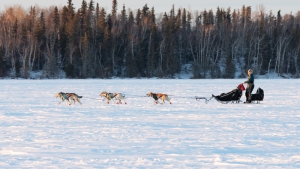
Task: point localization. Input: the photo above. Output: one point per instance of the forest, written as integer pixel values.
(91, 42)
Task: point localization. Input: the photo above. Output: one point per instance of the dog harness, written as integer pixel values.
(64, 96)
(155, 96)
(110, 95)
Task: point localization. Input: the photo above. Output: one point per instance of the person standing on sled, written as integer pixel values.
(250, 85)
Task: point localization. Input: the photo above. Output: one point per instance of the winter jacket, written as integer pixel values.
(250, 79)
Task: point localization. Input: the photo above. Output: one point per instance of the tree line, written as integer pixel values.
(93, 43)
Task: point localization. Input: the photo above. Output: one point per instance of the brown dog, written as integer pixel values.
(161, 96)
(69, 97)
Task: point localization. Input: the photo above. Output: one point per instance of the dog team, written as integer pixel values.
(119, 97)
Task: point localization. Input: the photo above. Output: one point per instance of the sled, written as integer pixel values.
(233, 96)
(258, 96)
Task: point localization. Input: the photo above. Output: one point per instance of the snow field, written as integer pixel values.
(38, 133)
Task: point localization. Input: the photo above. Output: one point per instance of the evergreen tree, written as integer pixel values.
(70, 9)
(83, 18)
(114, 10)
(230, 66)
(2, 63)
(86, 72)
(40, 34)
(107, 63)
(130, 59)
(154, 47)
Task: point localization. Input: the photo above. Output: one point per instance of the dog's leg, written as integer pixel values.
(62, 99)
(163, 100)
(69, 102)
(168, 99)
(75, 99)
(108, 99)
(123, 98)
(78, 101)
(72, 100)
(116, 97)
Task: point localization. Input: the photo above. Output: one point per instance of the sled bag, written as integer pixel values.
(241, 86)
(258, 96)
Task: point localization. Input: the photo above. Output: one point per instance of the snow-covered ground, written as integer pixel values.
(36, 132)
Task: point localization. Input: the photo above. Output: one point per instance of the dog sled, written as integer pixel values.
(233, 96)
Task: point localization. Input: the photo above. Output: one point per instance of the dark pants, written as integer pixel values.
(249, 90)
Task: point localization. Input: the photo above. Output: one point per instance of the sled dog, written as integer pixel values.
(161, 96)
(110, 96)
(69, 97)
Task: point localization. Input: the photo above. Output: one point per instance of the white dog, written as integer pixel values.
(109, 96)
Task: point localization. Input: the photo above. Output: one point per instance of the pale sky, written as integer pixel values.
(286, 6)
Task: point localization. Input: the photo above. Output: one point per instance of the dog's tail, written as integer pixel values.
(79, 96)
(168, 97)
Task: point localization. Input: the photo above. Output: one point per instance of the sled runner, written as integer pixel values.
(258, 96)
(233, 96)
(202, 98)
